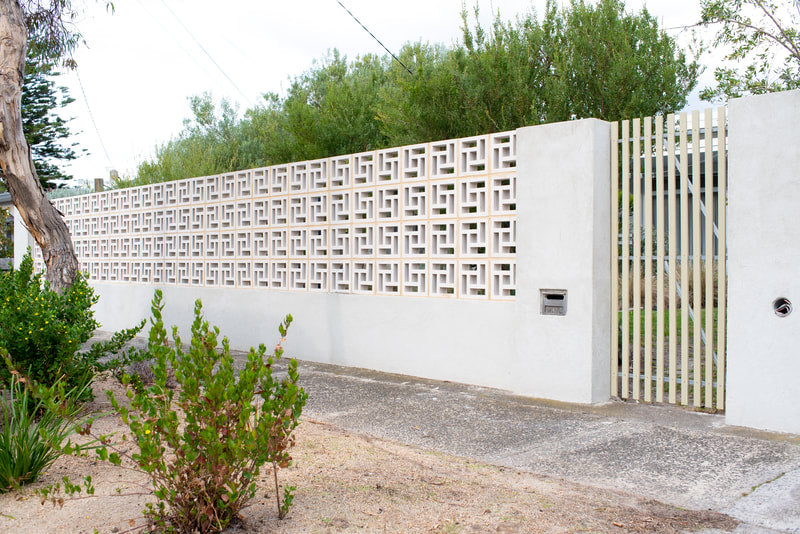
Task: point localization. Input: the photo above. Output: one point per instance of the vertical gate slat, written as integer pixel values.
(697, 292)
(722, 302)
(668, 330)
(709, 264)
(684, 262)
(648, 255)
(626, 256)
(673, 252)
(636, 242)
(615, 315)
(659, 134)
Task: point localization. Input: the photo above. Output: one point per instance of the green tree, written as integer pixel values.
(208, 144)
(610, 64)
(581, 61)
(431, 102)
(330, 109)
(265, 135)
(491, 82)
(760, 35)
(44, 130)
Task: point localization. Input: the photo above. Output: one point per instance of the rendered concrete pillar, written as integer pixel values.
(563, 228)
(22, 238)
(764, 262)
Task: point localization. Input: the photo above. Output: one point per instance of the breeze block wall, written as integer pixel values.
(433, 220)
(402, 260)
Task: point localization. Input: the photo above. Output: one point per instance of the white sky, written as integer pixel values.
(139, 65)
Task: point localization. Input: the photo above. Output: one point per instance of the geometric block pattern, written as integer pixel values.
(427, 220)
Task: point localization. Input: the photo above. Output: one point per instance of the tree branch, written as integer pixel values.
(794, 49)
(788, 44)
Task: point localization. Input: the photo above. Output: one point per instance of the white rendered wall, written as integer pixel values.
(562, 238)
(449, 297)
(563, 244)
(22, 238)
(764, 262)
(445, 339)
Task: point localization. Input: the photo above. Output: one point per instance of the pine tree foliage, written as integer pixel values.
(44, 129)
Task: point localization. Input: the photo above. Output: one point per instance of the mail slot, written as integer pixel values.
(554, 301)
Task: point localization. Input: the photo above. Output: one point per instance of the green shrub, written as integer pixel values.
(31, 432)
(112, 356)
(204, 463)
(43, 331)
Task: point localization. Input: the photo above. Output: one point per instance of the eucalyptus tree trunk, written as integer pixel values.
(43, 220)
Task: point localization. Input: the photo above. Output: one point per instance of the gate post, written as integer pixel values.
(23, 239)
(563, 258)
(764, 262)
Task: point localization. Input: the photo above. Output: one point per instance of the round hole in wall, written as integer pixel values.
(782, 306)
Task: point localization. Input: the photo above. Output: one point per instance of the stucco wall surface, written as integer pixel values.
(764, 262)
(561, 241)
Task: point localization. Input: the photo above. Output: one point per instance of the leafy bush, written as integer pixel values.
(204, 465)
(43, 331)
(112, 356)
(31, 433)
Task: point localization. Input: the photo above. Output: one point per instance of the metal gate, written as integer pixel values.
(669, 178)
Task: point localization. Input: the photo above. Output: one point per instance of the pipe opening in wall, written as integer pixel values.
(782, 306)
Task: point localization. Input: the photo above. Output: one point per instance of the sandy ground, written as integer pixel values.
(356, 483)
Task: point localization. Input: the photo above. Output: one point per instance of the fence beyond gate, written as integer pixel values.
(668, 307)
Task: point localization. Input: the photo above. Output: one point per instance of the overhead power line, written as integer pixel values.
(91, 116)
(206, 53)
(160, 22)
(373, 36)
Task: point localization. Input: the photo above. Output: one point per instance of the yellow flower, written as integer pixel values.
(147, 431)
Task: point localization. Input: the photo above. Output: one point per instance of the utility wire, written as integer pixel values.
(206, 52)
(373, 36)
(193, 57)
(91, 116)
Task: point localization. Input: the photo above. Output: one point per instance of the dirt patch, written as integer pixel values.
(350, 482)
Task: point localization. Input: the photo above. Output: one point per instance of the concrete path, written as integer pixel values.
(686, 459)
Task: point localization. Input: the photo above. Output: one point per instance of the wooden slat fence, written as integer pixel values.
(669, 180)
